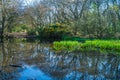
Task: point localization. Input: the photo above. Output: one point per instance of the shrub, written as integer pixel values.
(31, 32)
(20, 28)
(52, 32)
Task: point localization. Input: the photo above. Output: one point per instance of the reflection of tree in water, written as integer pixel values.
(12, 53)
(85, 66)
(5, 73)
(72, 66)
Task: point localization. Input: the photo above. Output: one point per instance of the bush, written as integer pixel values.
(20, 28)
(53, 32)
(31, 32)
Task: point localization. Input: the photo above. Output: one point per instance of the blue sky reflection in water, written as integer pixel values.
(33, 73)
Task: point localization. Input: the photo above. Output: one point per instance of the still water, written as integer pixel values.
(37, 61)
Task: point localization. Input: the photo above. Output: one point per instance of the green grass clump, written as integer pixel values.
(103, 45)
(66, 45)
(113, 45)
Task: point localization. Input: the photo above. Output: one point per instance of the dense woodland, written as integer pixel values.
(60, 18)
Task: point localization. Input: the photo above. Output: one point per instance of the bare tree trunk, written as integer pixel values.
(2, 29)
(3, 21)
(0, 20)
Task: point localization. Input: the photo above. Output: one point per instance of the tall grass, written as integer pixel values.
(103, 44)
(66, 45)
(108, 45)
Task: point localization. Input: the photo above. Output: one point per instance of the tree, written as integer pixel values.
(9, 15)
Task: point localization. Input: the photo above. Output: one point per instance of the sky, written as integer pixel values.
(29, 1)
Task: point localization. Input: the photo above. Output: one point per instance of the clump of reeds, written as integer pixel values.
(111, 45)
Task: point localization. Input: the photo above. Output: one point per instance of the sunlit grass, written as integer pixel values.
(66, 45)
(103, 45)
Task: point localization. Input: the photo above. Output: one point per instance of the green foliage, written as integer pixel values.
(114, 7)
(31, 32)
(72, 38)
(66, 45)
(20, 28)
(96, 45)
(112, 45)
(53, 32)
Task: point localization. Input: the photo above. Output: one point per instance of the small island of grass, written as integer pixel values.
(88, 45)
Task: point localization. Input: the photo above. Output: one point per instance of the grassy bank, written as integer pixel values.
(97, 45)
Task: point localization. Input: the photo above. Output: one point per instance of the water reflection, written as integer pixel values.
(55, 66)
(32, 73)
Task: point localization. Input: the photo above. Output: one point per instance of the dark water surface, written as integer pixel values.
(37, 61)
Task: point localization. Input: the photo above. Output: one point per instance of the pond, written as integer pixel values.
(37, 61)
